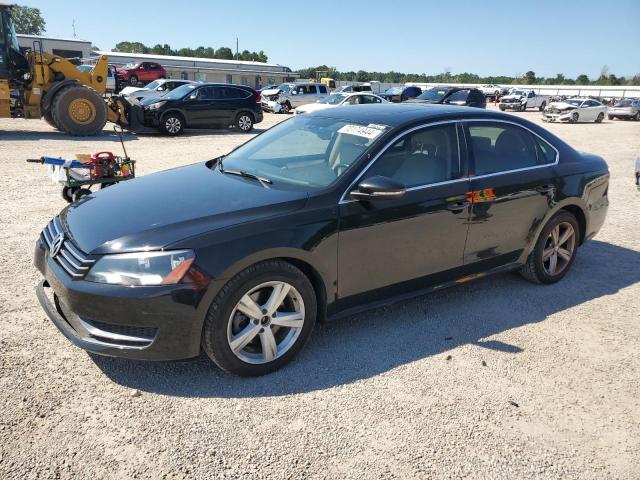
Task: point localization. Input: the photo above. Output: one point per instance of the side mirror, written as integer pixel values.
(293, 92)
(160, 89)
(378, 187)
(193, 97)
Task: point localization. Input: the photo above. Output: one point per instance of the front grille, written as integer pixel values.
(510, 100)
(75, 262)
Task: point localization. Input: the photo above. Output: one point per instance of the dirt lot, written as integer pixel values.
(496, 379)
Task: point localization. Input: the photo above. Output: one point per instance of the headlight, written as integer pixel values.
(157, 105)
(144, 268)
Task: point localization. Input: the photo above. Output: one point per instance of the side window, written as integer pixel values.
(501, 147)
(300, 89)
(546, 153)
(323, 89)
(426, 156)
(311, 90)
(230, 93)
(458, 97)
(206, 93)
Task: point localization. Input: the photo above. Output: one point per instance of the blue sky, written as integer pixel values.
(488, 37)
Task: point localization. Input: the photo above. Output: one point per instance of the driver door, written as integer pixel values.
(388, 245)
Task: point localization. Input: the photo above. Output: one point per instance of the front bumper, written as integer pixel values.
(511, 105)
(271, 106)
(557, 117)
(144, 323)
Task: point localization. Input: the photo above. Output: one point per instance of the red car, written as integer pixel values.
(145, 72)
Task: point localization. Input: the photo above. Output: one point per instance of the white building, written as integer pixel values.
(253, 74)
(63, 47)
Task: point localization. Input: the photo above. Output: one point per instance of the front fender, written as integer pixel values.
(47, 99)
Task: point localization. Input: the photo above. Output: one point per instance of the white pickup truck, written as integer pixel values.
(520, 100)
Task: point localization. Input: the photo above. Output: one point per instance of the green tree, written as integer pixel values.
(224, 53)
(529, 77)
(582, 79)
(28, 20)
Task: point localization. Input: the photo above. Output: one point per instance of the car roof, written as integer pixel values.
(398, 114)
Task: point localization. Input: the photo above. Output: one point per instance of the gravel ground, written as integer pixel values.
(495, 379)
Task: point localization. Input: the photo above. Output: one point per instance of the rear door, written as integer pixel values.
(228, 102)
(512, 189)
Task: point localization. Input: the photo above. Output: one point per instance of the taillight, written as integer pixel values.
(258, 97)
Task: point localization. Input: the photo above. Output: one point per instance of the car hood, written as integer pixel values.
(121, 70)
(561, 106)
(130, 90)
(271, 91)
(312, 107)
(154, 211)
(516, 97)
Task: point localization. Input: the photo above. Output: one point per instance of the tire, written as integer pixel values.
(600, 117)
(542, 107)
(574, 117)
(244, 122)
(536, 269)
(611, 117)
(172, 124)
(81, 192)
(67, 193)
(502, 109)
(133, 80)
(285, 108)
(224, 321)
(79, 111)
(47, 117)
(637, 117)
(523, 108)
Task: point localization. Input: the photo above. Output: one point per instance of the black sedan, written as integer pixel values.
(460, 96)
(201, 105)
(322, 215)
(400, 94)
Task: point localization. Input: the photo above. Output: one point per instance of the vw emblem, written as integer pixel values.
(56, 245)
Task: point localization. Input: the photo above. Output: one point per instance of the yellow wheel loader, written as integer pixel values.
(42, 85)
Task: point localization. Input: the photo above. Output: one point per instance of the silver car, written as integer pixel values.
(625, 109)
(287, 96)
(157, 88)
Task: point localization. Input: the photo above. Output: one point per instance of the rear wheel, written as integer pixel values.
(244, 122)
(555, 251)
(172, 124)
(79, 111)
(260, 319)
(600, 117)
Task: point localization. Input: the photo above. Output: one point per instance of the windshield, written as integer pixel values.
(434, 94)
(180, 92)
(13, 39)
(153, 85)
(576, 101)
(131, 65)
(285, 87)
(518, 92)
(394, 90)
(334, 99)
(310, 152)
(84, 68)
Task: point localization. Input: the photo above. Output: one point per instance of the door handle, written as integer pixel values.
(457, 207)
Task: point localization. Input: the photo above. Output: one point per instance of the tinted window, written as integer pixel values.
(230, 93)
(206, 93)
(546, 153)
(323, 89)
(423, 157)
(458, 97)
(501, 147)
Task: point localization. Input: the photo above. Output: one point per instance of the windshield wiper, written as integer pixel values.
(241, 173)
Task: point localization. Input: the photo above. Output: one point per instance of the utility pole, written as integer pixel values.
(237, 50)
(73, 25)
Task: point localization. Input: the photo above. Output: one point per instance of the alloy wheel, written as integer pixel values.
(559, 248)
(266, 322)
(173, 124)
(244, 123)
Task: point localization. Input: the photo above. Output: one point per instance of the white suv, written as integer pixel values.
(288, 96)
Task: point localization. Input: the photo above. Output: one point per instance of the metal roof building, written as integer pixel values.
(253, 74)
(64, 47)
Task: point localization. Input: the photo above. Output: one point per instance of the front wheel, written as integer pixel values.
(575, 117)
(172, 124)
(285, 108)
(260, 319)
(611, 117)
(555, 251)
(133, 80)
(600, 117)
(542, 107)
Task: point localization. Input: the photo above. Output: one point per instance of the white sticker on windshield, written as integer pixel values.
(377, 127)
(360, 131)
